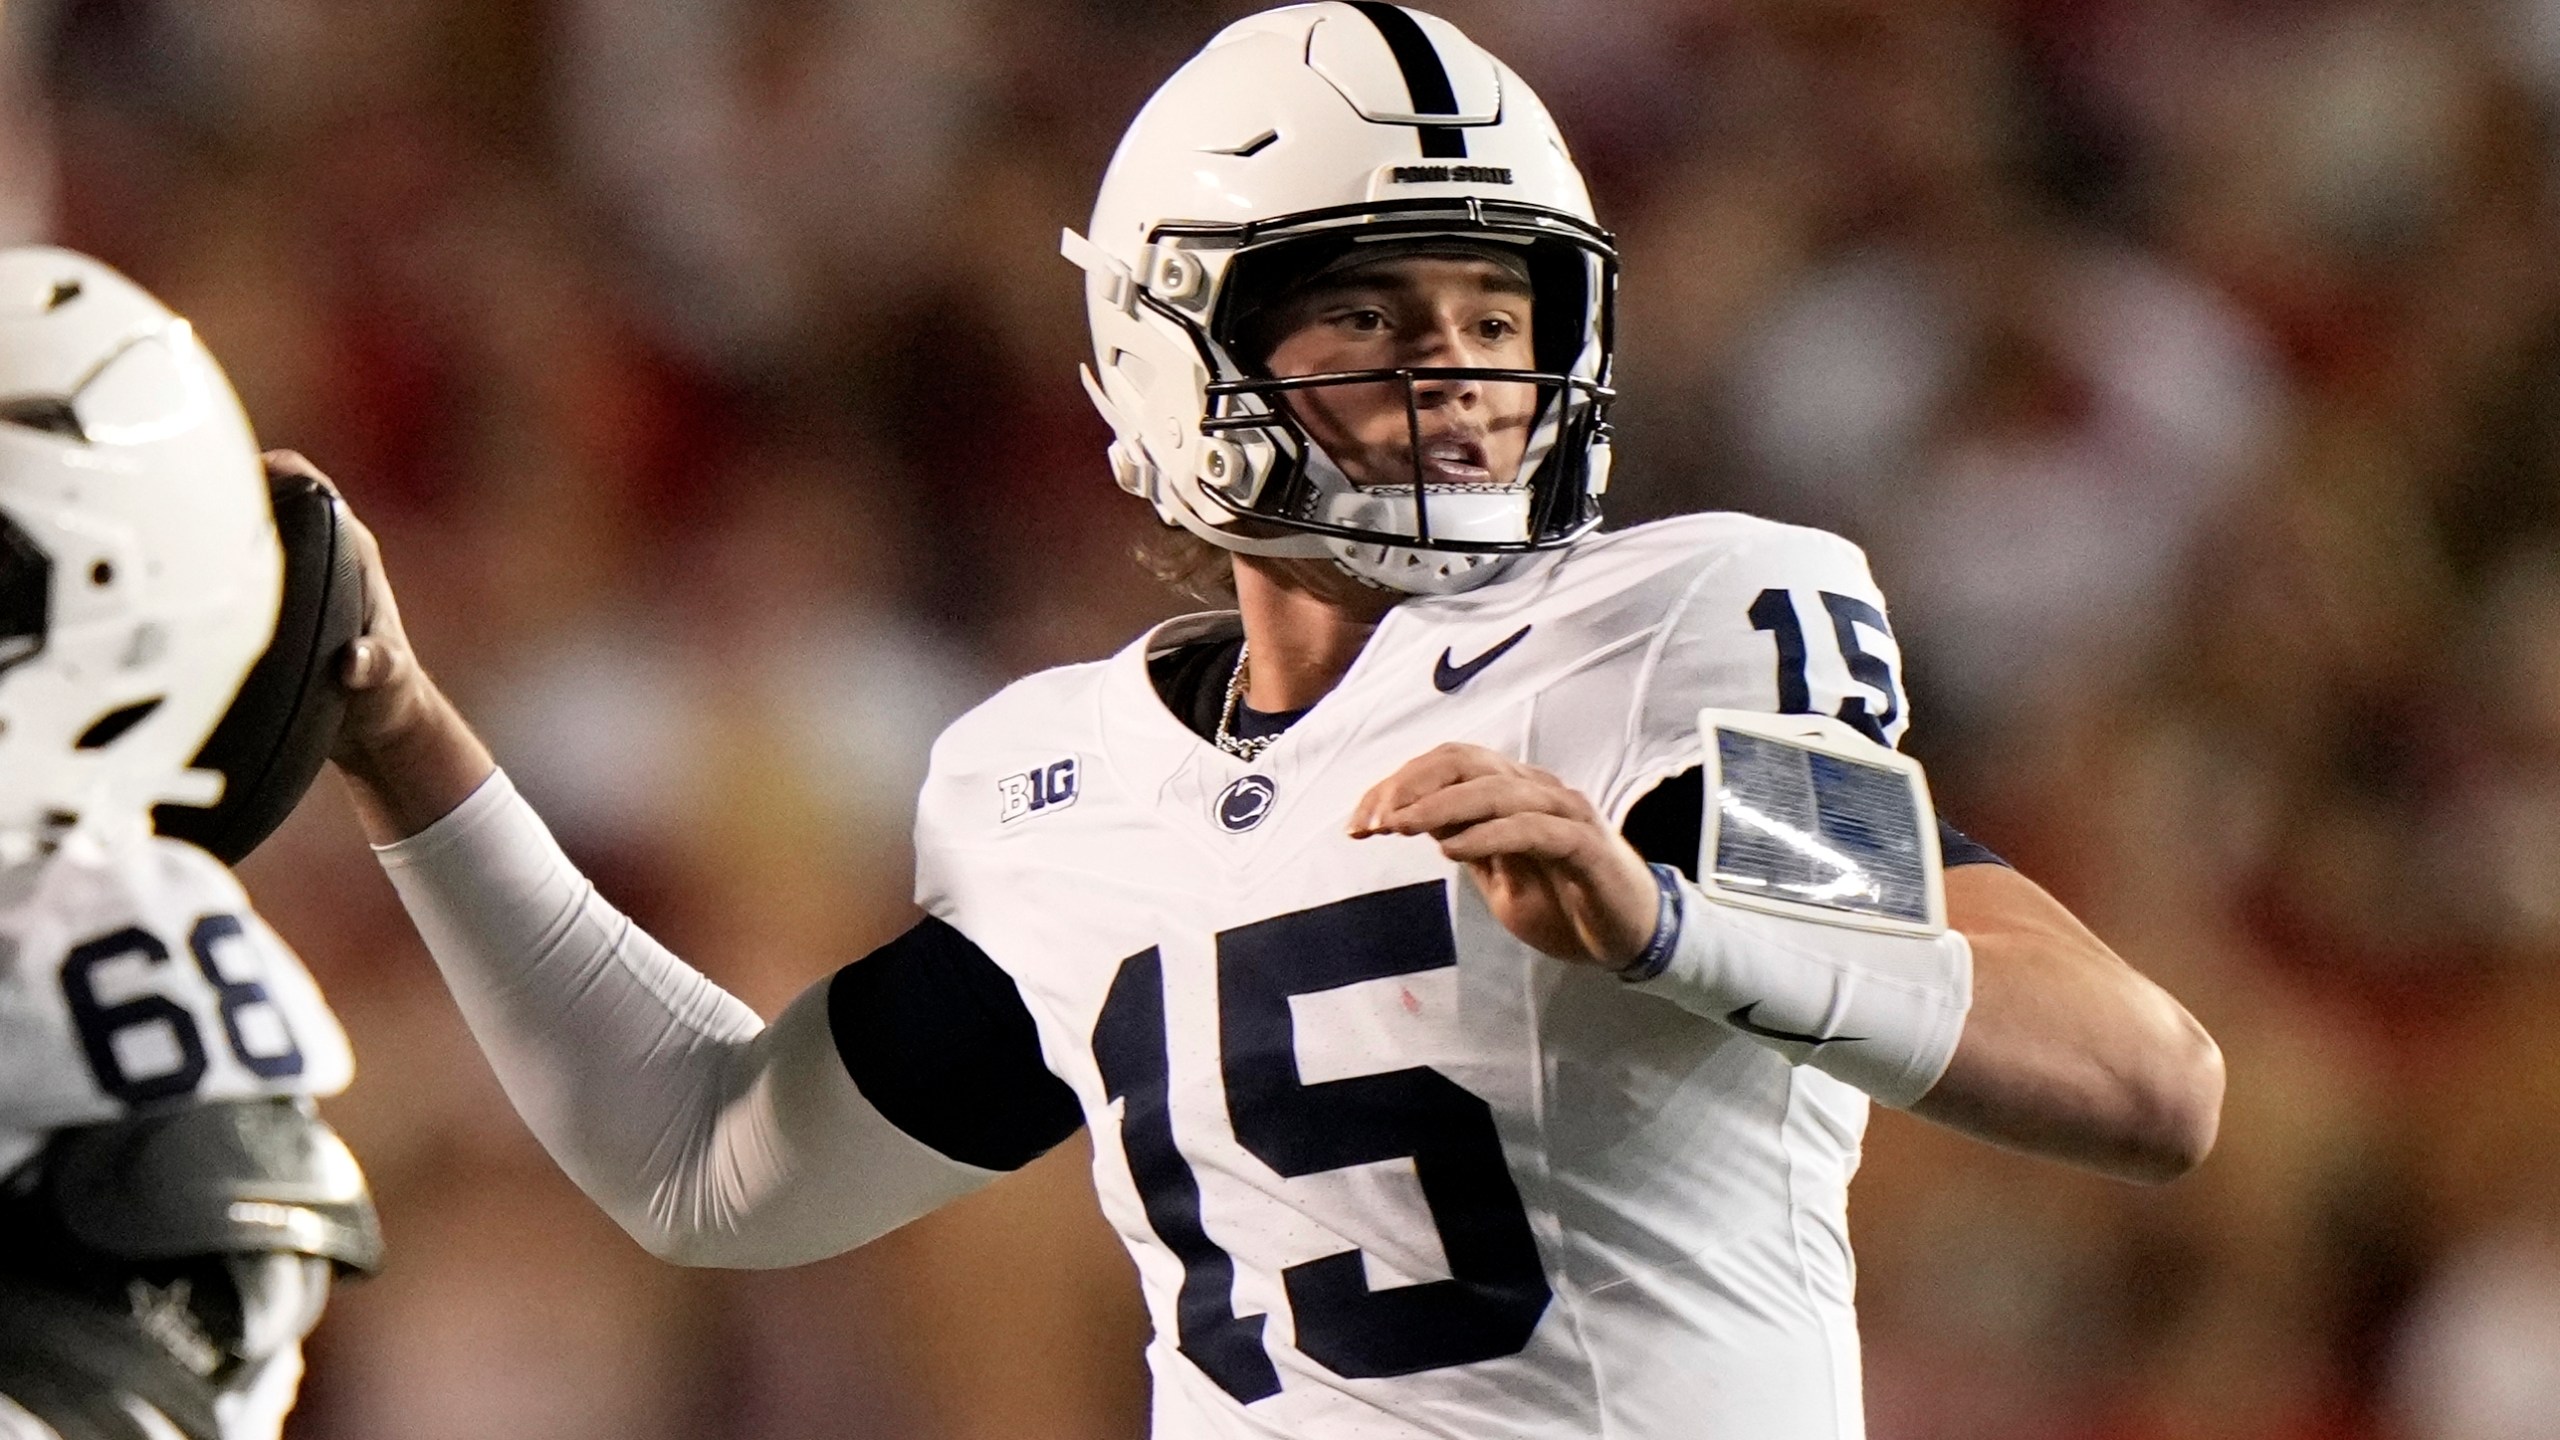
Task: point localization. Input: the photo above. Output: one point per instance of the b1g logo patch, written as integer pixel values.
(1036, 792)
(1244, 804)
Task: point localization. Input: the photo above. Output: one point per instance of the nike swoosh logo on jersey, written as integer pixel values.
(1449, 677)
(1741, 1020)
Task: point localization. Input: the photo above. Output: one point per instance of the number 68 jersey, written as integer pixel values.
(1387, 1171)
(135, 974)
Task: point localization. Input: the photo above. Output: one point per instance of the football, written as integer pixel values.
(274, 738)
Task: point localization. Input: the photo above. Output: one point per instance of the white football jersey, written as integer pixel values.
(1387, 1171)
(136, 974)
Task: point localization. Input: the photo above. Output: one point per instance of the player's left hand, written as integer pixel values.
(1553, 869)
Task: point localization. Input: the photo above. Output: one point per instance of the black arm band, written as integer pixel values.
(936, 1036)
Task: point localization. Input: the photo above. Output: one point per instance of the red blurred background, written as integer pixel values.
(2190, 368)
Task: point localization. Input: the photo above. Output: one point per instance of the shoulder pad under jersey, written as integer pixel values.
(136, 975)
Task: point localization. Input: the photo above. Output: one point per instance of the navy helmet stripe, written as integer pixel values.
(1425, 78)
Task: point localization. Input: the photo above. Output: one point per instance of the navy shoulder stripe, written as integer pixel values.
(937, 1038)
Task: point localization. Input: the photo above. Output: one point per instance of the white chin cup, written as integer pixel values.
(1417, 572)
(1488, 516)
(1492, 515)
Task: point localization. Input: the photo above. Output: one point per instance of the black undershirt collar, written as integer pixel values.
(1192, 682)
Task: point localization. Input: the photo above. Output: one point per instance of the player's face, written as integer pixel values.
(1416, 312)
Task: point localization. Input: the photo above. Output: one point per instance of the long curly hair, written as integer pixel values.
(1190, 566)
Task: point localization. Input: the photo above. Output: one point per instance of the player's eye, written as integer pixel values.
(1366, 320)
(1494, 329)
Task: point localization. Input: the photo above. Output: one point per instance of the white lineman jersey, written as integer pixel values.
(1385, 1170)
(136, 975)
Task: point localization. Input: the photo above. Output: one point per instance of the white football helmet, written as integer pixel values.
(139, 567)
(1335, 125)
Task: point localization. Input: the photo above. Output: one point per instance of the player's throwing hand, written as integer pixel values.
(400, 742)
(374, 667)
(1556, 873)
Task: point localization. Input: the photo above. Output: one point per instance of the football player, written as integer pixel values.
(1477, 1008)
(172, 1210)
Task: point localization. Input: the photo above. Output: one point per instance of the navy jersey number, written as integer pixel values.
(1129, 1049)
(100, 1024)
(240, 998)
(1497, 1288)
(1775, 611)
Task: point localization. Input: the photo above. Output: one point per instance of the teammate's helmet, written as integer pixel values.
(139, 569)
(1297, 136)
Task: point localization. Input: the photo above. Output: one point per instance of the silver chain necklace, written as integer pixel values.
(1241, 747)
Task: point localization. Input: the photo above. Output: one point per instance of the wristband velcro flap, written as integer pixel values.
(1807, 818)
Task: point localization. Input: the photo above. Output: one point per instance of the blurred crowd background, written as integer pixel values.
(2190, 369)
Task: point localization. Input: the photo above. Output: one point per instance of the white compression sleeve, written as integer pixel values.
(1880, 1011)
(713, 1138)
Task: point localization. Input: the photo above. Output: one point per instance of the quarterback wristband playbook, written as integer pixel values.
(1817, 925)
